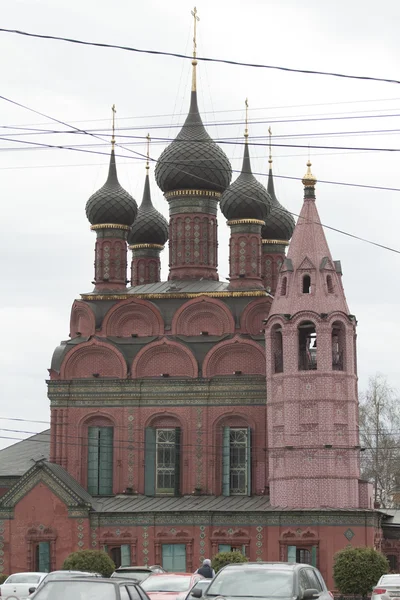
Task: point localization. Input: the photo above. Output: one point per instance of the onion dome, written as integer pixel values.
(150, 227)
(193, 160)
(111, 203)
(280, 223)
(309, 180)
(246, 198)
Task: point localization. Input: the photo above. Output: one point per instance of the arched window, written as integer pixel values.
(307, 346)
(162, 461)
(329, 284)
(306, 284)
(284, 286)
(236, 461)
(338, 337)
(277, 349)
(100, 461)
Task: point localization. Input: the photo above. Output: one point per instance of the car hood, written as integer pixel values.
(167, 595)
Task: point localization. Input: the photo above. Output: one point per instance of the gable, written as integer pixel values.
(41, 473)
(306, 265)
(326, 264)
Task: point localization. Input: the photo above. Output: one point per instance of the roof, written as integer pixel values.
(70, 482)
(18, 458)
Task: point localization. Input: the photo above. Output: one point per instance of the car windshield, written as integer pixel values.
(66, 574)
(390, 580)
(137, 575)
(23, 578)
(251, 583)
(166, 583)
(76, 590)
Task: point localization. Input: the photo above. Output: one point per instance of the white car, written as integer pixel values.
(387, 587)
(17, 586)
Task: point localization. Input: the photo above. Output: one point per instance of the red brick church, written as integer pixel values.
(195, 415)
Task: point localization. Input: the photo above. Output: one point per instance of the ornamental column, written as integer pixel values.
(110, 263)
(245, 254)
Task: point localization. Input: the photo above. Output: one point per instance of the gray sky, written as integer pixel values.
(46, 247)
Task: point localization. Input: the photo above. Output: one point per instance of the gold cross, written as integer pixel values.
(195, 19)
(114, 110)
(148, 151)
(246, 130)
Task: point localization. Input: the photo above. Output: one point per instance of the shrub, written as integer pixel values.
(357, 570)
(3, 578)
(94, 561)
(226, 558)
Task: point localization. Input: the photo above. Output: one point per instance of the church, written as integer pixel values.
(193, 415)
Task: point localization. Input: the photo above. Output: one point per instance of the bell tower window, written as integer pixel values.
(329, 284)
(306, 284)
(284, 286)
(338, 337)
(277, 349)
(307, 346)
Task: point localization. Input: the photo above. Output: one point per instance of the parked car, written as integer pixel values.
(266, 580)
(202, 584)
(388, 584)
(137, 573)
(169, 586)
(90, 588)
(18, 585)
(55, 575)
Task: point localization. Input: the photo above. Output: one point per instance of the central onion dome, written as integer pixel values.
(193, 160)
(111, 203)
(150, 226)
(280, 223)
(246, 198)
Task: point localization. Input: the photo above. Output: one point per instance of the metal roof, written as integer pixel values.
(18, 458)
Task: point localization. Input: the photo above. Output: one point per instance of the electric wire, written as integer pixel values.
(198, 58)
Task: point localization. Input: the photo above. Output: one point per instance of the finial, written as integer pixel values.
(309, 180)
(148, 152)
(114, 110)
(270, 147)
(194, 61)
(246, 129)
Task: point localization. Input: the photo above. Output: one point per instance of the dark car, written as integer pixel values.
(54, 575)
(137, 573)
(266, 580)
(90, 588)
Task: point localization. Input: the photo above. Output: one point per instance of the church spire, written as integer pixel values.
(194, 61)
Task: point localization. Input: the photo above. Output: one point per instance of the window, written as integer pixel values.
(236, 461)
(162, 461)
(174, 560)
(121, 555)
(284, 286)
(42, 557)
(315, 583)
(307, 556)
(235, 548)
(277, 349)
(303, 556)
(100, 461)
(329, 284)
(307, 346)
(392, 558)
(338, 337)
(306, 284)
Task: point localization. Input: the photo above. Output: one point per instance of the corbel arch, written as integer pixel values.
(203, 314)
(93, 359)
(133, 317)
(235, 356)
(164, 358)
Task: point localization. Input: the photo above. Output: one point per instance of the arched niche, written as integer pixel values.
(201, 316)
(254, 314)
(82, 321)
(133, 317)
(235, 357)
(164, 359)
(93, 359)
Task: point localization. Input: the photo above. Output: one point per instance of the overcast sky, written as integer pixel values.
(46, 247)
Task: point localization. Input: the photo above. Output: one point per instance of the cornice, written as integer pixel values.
(227, 294)
(109, 226)
(203, 193)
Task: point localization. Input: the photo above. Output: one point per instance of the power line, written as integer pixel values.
(199, 58)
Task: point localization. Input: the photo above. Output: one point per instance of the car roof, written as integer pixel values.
(144, 568)
(284, 566)
(29, 573)
(169, 573)
(115, 581)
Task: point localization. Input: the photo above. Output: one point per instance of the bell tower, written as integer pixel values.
(312, 408)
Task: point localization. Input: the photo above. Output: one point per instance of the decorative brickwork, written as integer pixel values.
(166, 358)
(244, 357)
(145, 265)
(133, 317)
(110, 258)
(245, 254)
(203, 315)
(253, 316)
(272, 258)
(82, 320)
(93, 359)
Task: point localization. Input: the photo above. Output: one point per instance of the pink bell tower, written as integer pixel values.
(312, 407)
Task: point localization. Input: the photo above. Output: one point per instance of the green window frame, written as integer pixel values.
(100, 460)
(174, 557)
(236, 461)
(43, 561)
(162, 461)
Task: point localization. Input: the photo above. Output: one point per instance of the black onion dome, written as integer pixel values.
(193, 160)
(280, 223)
(111, 203)
(150, 227)
(246, 198)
